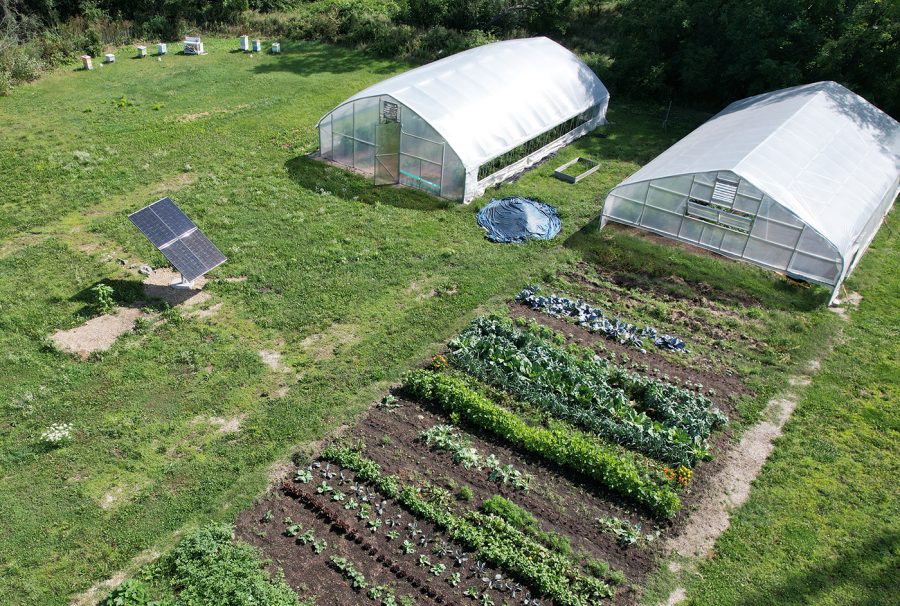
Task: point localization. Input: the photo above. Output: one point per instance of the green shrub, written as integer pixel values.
(209, 567)
(103, 298)
(130, 593)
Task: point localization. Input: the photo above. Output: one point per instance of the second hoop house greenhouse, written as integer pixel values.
(461, 124)
(796, 180)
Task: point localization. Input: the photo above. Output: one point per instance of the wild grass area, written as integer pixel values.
(348, 286)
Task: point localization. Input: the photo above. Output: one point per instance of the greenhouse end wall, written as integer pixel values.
(722, 212)
(425, 161)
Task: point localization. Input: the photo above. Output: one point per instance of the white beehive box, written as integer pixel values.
(86, 62)
(142, 51)
(110, 58)
(245, 43)
(276, 48)
(161, 48)
(257, 46)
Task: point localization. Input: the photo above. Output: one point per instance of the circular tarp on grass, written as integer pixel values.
(518, 219)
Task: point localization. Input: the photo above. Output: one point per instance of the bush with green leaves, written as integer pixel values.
(209, 567)
(618, 472)
(104, 299)
(131, 592)
(586, 391)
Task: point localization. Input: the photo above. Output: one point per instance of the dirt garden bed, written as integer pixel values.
(565, 507)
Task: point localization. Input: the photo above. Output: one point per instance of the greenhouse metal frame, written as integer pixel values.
(797, 180)
(466, 122)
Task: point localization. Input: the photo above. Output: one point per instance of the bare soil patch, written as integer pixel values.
(321, 346)
(97, 334)
(272, 359)
(158, 285)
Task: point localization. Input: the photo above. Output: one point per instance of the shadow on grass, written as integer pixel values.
(302, 58)
(870, 570)
(317, 176)
(130, 293)
(633, 258)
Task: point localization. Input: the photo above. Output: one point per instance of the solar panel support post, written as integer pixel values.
(182, 283)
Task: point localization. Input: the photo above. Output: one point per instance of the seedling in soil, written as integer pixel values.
(293, 530)
(351, 504)
(459, 557)
(303, 475)
(438, 569)
(454, 579)
(479, 568)
(407, 547)
(267, 517)
(342, 479)
(323, 488)
(389, 402)
(485, 600)
(306, 537)
(320, 546)
(527, 600)
(425, 539)
(471, 592)
(413, 528)
(391, 535)
(424, 562)
(374, 525)
(337, 496)
(442, 550)
(495, 583)
(395, 521)
(327, 472)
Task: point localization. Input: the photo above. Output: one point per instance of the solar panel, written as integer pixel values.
(176, 237)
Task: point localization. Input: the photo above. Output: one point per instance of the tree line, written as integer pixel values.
(696, 52)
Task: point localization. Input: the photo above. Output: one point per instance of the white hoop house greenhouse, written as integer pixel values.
(797, 180)
(461, 124)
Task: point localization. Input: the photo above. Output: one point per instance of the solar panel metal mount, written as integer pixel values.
(178, 239)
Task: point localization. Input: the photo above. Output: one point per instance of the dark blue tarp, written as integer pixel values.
(518, 219)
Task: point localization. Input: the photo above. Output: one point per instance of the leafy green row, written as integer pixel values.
(570, 387)
(489, 537)
(661, 400)
(571, 449)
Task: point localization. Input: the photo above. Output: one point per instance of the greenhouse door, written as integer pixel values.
(387, 153)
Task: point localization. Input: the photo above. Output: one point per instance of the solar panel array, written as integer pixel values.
(176, 237)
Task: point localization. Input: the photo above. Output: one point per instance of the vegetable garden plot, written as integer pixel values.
(550, 510)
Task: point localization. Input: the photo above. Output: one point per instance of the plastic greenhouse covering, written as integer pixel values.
(796, 180)
(458, 114)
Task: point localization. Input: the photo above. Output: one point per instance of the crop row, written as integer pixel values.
(573, 388)
(489, 537)
(673, 405)
(613, 470)
(445, 437)
(594, 320)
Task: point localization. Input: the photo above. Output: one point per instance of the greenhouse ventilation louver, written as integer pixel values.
(797, 180)
(461, 124)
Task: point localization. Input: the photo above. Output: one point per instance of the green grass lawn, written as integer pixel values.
(350, 283)
(822, 525)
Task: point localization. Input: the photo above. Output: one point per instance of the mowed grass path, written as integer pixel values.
(350, 283)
